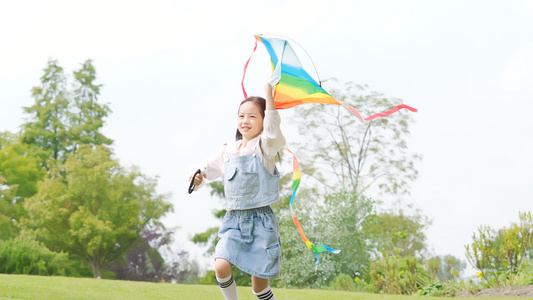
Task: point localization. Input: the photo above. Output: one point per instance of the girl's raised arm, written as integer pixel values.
(269, 100)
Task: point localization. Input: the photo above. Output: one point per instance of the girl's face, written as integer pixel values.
(250, 120)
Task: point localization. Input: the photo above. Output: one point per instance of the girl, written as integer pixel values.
(249, 237)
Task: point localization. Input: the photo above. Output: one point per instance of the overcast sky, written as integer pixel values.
(171, 72)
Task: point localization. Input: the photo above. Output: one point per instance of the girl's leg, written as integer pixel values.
(225, 279)
(261, 288)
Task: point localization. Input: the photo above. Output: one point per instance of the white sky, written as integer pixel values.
(172, 69)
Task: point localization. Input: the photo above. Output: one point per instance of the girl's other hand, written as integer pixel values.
(198, 179)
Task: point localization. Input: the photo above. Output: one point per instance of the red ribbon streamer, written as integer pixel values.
(246, 67)
(397, 108)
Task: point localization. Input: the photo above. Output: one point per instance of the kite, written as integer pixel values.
(294, 85)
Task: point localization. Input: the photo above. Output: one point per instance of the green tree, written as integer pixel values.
(346, 159)
(19, 173)
(393, 232)
(87, 114)
(61, 119)
(332, 221)
(91, 207)
(342, 153)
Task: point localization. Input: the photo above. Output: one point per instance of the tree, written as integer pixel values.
(87, 114)
(91, 207)
(347, 159)
(342, 153)
(19, 173)
(61, 120)
(144, 262)
(396, 233)
(335, 221)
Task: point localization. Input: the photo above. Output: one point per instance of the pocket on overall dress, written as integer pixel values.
(242, 184)
(272, 181)
(269, 222)
(274, 252)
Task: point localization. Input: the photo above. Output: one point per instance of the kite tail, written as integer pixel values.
(246, 67)
(296, 176)
(352, 110)
(384, 114)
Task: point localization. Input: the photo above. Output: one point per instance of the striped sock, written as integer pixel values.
(265, 294)
(228, 287)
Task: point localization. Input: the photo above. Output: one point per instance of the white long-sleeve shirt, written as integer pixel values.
(272, 140)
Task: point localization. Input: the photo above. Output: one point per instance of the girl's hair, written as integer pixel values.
(262, 106)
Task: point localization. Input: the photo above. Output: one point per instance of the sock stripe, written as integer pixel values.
(224, 285)
(266, 296)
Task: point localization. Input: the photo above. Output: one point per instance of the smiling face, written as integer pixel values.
(249, 121)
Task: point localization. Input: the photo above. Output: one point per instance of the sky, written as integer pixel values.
(171, 74)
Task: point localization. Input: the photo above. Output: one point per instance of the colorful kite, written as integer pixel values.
(294, 85)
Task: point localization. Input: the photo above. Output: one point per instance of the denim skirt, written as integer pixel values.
(249, 240)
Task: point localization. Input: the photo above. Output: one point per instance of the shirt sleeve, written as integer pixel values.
(272, 139)
(214, 168)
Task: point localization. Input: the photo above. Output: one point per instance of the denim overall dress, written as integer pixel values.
(249, 234)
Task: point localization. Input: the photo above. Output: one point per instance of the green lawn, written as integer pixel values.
(36, 287)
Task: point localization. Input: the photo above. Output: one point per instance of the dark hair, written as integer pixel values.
(262, 106)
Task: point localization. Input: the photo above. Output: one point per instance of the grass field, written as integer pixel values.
(42, 288)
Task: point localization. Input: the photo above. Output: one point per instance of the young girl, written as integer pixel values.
(249, 236)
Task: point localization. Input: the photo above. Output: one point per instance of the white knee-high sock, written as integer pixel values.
(228, 287)
(265, 294)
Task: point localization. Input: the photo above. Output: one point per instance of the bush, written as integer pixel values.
(343, 282)
(499, 256)
(29, 257)
(398, 275)
(439, 290)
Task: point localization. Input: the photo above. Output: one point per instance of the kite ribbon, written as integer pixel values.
(246, 67)
(397, 108)
(296, 176)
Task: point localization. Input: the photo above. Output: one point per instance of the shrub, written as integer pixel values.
(398, 275)
(29, 257)
(343, 282)
(439, 290)
(499, 255)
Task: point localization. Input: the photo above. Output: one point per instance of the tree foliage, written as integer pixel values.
(91, 207)
(26, 256)
(62, 119)
(145, 262)
(500, 255)
(395, 232)
(342, 153)
(347, 159)
(19, 173)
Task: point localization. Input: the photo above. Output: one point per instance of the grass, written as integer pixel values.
(42, 288)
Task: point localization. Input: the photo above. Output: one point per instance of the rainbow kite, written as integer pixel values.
(296, 176)
(294, 85)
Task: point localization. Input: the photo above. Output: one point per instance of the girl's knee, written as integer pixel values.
(222, 268)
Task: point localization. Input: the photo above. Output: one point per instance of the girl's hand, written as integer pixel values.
(268, 91)
(268, 88)
(198, 179)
